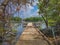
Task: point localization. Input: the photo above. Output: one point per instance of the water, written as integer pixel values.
(19, 31)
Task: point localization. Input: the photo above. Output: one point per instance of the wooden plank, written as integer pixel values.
(32, 36)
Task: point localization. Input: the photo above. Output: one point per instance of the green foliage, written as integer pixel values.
(17, 19)
(50, 10)
(33, 19)
(51, 16)
(14, 31)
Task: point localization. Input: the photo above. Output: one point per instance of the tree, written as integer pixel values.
(49, 10)
(16, 19)
(50, 13)
(33, 19)
(5, 13)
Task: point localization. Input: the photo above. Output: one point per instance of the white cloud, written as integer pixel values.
(37, 10)
(35, 2)
(29, 6)
(27, 12)
(36, 13)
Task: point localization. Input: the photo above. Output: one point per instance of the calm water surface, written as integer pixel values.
(19, 31)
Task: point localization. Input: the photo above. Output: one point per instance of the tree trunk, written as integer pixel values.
(46, 21)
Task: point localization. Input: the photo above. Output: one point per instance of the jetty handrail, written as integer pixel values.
(45, 38)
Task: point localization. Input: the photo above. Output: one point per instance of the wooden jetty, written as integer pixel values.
(32, 36)
(37, 24)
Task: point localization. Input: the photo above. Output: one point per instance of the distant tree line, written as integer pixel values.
(16, 19)
(33, 19)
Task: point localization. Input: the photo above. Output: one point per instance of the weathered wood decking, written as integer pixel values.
(32, 36)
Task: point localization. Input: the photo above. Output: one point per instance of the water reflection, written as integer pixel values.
(18, 33)
(19, 30)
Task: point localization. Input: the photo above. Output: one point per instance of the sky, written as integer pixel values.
(30, 11)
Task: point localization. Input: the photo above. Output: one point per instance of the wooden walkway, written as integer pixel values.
(32, 36)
